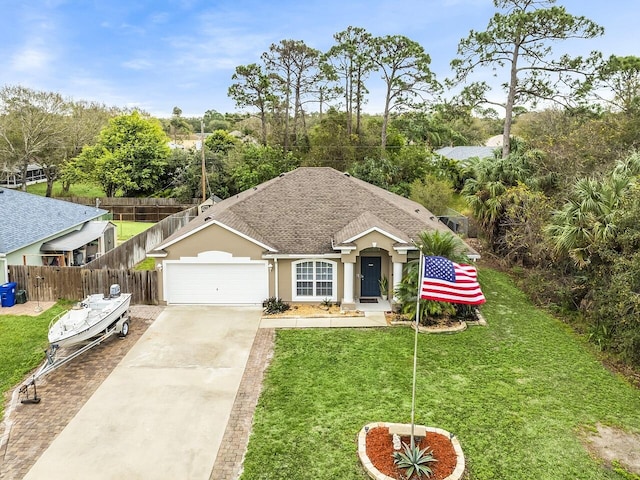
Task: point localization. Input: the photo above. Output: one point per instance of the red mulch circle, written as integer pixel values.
(380, 453)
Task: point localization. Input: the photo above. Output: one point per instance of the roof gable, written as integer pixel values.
(28, 219)
(366, 223)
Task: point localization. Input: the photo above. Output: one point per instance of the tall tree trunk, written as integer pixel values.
(348, 94)
(263, 120)
(359, 103)
(511, 98)
(385, 123)
(24, 168)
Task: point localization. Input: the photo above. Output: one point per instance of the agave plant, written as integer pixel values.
(414, 460)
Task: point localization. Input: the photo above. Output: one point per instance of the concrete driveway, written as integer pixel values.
(162, 412)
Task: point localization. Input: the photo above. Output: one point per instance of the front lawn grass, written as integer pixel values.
(519, 394)
(23, 340)
(126, 230)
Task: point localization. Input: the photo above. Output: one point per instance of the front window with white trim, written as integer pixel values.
(314, 280)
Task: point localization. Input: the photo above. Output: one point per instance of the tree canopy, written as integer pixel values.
(130, 157)
(521, 38)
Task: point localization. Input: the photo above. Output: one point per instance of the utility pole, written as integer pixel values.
(204, 170)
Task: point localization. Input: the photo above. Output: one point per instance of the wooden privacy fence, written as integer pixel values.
(134, 250)
(49, 284)
(136, 209)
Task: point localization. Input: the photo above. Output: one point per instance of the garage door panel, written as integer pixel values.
(211, 283)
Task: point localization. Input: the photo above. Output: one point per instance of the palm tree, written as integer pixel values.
(587, 218)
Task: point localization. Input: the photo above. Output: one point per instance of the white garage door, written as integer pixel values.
(216, 278)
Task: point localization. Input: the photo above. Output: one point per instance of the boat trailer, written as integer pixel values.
(55, 358)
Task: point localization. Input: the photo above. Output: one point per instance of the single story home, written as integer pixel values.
(38, 230)
(12, 177)
(309, 235)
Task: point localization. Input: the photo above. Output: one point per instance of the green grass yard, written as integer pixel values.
(76, 190)
(126, 230)
(519, 394)
(23, 340)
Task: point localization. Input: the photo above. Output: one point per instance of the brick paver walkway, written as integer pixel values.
(228, 463)
(63, 393)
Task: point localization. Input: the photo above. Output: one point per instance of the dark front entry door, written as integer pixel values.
(369, 276)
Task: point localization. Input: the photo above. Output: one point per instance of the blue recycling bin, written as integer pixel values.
(8, 294)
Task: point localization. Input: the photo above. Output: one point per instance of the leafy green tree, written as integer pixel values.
(186, 174)
(33, 129)
(253, 88)
(521, 39)
(221, 141)
(433, 193)
(84, 121)
(214, 120)
(577, 143)
(381, 172)
(526, 214)
(404, 66)
(331, 144)
(130, 157)
(251, 165)
(612, 305)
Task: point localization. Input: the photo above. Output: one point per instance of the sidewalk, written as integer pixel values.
(370, 319)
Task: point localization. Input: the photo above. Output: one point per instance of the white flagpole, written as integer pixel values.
(415, 350)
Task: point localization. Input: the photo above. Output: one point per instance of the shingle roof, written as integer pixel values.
(465, 153)
(305, 210)
(27, 218)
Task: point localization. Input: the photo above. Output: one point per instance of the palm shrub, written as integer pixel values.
(442, 244)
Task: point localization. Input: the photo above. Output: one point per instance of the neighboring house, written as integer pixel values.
(308, 235)
(38, 230)
(462, 154)
(12, 178)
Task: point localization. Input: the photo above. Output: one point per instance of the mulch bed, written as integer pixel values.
(380, 452)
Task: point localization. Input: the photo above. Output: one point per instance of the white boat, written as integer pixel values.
(93, 316)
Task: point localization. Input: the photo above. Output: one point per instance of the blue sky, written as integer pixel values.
(157, 54)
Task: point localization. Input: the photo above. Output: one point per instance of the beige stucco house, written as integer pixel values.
(306, 236)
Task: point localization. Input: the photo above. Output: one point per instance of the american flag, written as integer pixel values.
(446, 281)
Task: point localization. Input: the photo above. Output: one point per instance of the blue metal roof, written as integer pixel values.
(464, 152)
(26, 219)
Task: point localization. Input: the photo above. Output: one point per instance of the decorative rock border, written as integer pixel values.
(422, 329)
(454, 329)
(376, 474)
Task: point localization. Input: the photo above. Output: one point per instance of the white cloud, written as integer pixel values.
(138, 64)
(31, 59)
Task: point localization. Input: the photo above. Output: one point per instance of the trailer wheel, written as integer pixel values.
(124, 330)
